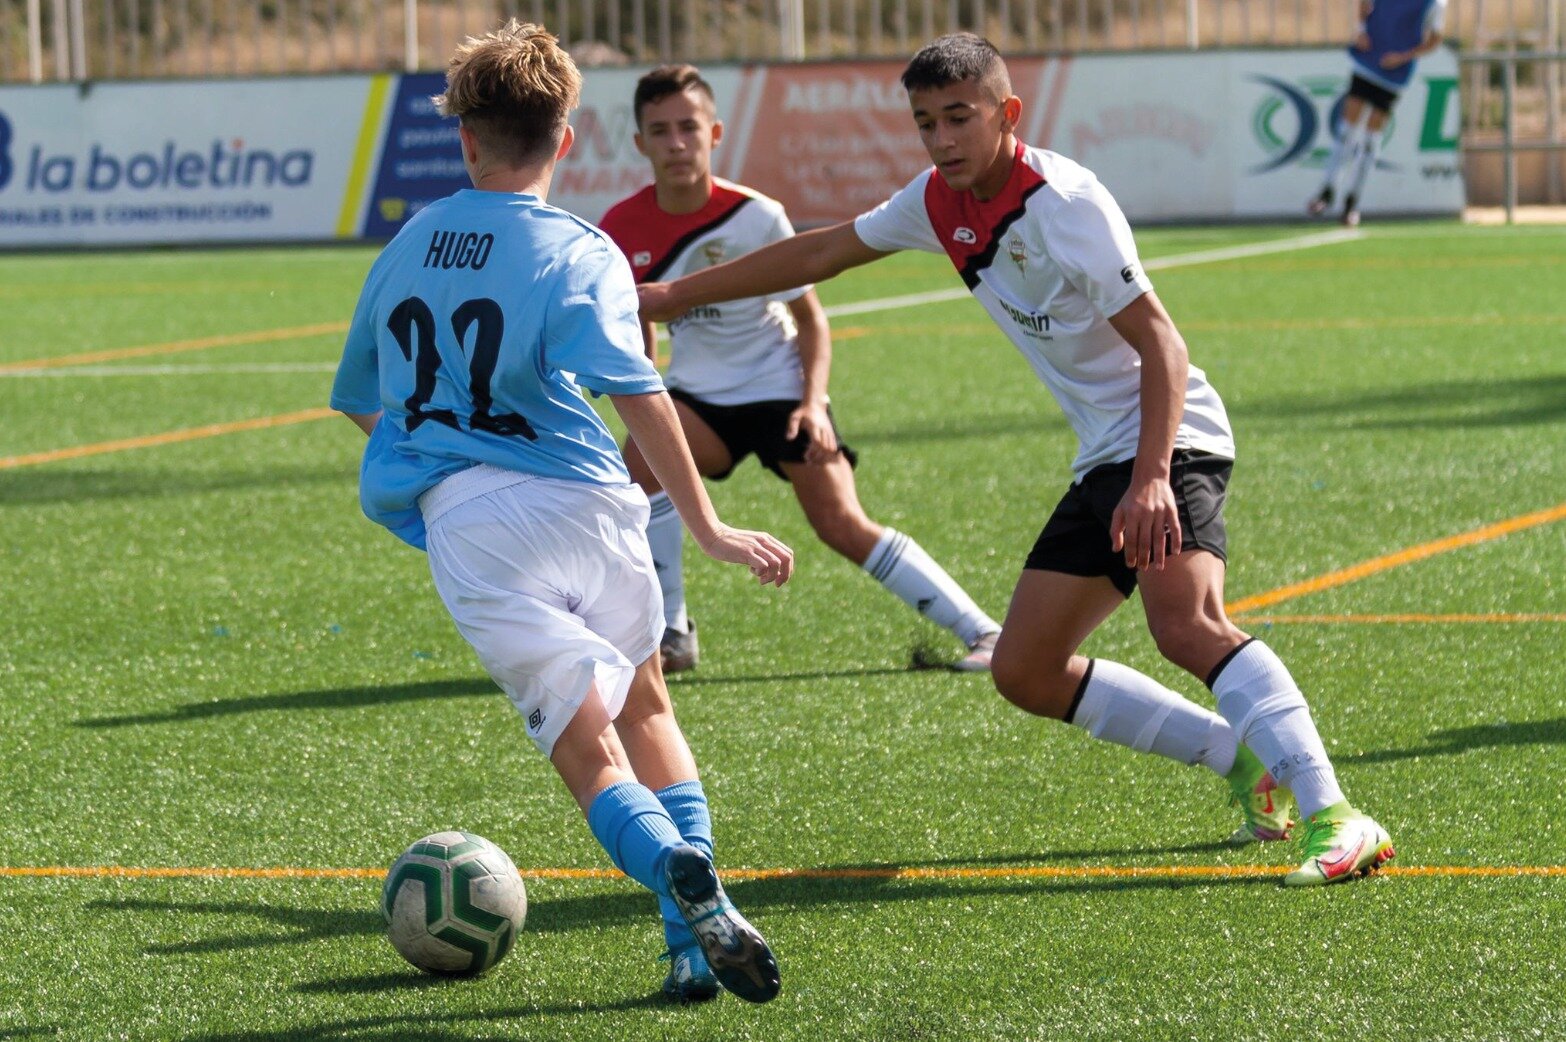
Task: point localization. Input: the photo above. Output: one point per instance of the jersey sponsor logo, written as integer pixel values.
(460, 250)
(1035, 323)
(964, 235)
(1128, 273)
(1017, 252)
(696, 314)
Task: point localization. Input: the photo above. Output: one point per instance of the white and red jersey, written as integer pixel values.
(1050, 258)
(728, 354)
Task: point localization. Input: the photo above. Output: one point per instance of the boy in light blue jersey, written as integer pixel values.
(1392, 36)
(478, 328)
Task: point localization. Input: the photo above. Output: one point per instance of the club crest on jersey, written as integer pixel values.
(965, 236)
(641, 258)
(713, 251)
(1018, 253)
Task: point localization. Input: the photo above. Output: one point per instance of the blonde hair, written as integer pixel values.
(513, 88)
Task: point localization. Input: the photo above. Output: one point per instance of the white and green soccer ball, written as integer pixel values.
(453, 904)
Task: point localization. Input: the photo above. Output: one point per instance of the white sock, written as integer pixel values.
(666, 538)
(1366, 161)
(1120, 705)
(902, 566)
(1342, 148)
(1262, 703)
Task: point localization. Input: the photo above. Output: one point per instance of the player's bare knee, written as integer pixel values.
(1040, 691)
(850, 534)
(1190, 642)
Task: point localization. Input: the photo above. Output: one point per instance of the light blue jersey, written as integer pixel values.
(478, 327)
(1396, 25)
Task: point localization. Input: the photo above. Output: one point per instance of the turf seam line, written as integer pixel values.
(841, 874)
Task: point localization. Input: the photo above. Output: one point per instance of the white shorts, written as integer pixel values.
(551, 582)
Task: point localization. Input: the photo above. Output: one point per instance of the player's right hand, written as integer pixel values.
(767, 558)
(657, 302)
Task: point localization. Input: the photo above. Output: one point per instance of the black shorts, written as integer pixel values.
(1372, 94)
(1075, 540)
(758, 427)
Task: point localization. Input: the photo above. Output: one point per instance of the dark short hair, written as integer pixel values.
(958, 58)
(666, 80)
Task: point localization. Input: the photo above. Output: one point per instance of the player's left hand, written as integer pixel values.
(767, 557)
(811, 417)
(656, 300)
(1146, 525)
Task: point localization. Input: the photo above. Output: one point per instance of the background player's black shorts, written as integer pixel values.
(1373, 94)
(758, 427)
(1075, 540)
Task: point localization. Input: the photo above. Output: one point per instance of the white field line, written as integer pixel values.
(1177, 260)
(862, 307)
(174, 370)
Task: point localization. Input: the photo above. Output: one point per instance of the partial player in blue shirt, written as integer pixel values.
(1392, 36)
(479, 329)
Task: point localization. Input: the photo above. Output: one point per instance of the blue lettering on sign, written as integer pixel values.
(6, 166)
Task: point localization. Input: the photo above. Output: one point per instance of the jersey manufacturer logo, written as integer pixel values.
(641, 258)
(1018, 253)
(713, 251)
(965, 236)
(1128, 273)
(535, 720)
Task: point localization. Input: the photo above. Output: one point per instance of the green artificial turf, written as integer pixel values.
(208, 657)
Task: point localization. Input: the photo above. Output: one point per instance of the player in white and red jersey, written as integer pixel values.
(1046, 250)
(750, 376)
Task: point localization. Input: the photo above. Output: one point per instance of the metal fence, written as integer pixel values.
(1512, 81)
(106, 39)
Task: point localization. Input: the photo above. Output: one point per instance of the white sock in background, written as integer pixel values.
(1262, 703)
(902, 566)
(1120, 705)
(666, 538)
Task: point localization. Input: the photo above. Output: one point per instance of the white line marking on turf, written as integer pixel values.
(175, 370)
(1177, 260)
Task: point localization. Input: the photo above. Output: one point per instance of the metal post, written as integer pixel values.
(1191, 36)
(410, 35)
(78, 41)
(35, 40)
(1509, 93)
(1552, 98)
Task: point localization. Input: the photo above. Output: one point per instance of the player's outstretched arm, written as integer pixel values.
(654, 426)
(813, 256)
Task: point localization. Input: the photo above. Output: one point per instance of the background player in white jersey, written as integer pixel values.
(478, 328)
(751, 376)
(1049, 255)
(1392, 36)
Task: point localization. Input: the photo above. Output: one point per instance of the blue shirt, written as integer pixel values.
(478, 327)
(1395, 25)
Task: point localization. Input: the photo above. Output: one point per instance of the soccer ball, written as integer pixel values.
(453, 903)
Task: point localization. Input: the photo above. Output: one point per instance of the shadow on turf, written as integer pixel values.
(74, 486)
(445, 1026)
(326, 698)
(304, 924)
(1455, 740)
(1446, 405)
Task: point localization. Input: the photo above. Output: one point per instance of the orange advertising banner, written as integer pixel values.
(830, 141)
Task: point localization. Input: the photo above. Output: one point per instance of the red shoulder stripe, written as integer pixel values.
(970, 228)
(652, 239)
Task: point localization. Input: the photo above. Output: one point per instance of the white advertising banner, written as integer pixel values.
(185, 162)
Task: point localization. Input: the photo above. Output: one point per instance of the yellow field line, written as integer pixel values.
(1402, 557)
(258, 336)
(888, 873)
(166, 438)
(1414, 618)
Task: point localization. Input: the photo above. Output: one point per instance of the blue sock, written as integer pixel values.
(686, 803)
(636, 832)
